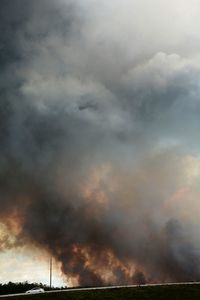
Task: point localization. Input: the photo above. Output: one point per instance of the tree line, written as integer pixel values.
(22, 287)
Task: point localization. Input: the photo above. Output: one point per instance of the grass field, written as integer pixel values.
(174, 292)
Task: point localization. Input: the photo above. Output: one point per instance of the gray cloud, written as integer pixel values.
(99, 119)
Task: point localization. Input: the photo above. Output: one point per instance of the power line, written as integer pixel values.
(50, 272)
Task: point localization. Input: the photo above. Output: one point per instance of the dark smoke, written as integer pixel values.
(79, 169)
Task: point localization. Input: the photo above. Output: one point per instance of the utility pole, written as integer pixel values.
(50, 272)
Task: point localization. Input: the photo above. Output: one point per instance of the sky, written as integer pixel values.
(99, 140)
(33, 265)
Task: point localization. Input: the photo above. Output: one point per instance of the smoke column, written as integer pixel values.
(99, 136)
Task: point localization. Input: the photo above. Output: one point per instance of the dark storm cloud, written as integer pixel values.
(91, 129)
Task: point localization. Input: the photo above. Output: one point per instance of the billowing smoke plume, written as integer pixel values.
(99, 147)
